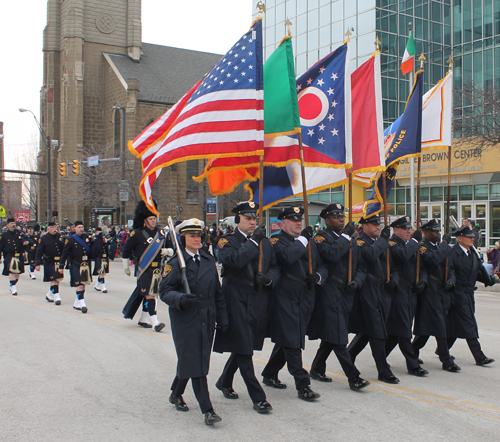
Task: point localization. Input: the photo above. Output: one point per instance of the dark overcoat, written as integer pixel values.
(468, 270)
(433, 303)
(99, 253)
(49, 252)
(404, 299)
(330, 319)
(292, 299)
(193, 329)
(372, 303)
(248, 308)
(11, 244)
(76, 254)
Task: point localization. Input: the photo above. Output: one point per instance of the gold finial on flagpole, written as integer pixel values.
(262, 8)
(348, 34)
(377, 43)
(422, 58)
(450, 63)
(288, 23)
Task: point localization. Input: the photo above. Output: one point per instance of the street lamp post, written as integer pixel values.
(122, 161)
(47, 141)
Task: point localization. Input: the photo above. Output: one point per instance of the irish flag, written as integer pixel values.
(409, 56)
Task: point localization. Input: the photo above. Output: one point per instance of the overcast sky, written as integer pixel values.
(191, 24)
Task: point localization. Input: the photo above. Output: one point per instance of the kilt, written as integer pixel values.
(6, 264)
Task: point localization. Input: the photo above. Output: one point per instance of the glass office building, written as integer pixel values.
(468, 30)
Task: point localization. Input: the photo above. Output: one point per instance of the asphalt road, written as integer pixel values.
(68, 376)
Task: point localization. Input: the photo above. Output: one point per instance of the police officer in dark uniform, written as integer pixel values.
(468, 269)
(293, 301)
(373, 301)
(334, 300)
(34, 238)
(12, 246)
(193, 316)
(433, 304)
(49, 252)
(247, 293)
(403, 249)
(146, 244)
(100, 258)
(77, 249)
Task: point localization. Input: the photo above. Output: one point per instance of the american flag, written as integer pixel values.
(223, 117)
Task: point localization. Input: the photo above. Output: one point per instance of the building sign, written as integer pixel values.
(463, 161)
(22, 216)
(275, 226)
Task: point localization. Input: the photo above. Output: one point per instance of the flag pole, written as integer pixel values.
(304, 193)
(384, 202)
(412, 160)
(448, 198)
(349, 276)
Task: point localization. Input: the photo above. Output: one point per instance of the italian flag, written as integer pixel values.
(409, 56)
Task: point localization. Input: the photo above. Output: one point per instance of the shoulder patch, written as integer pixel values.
(318, 239)
(422, 250)
(166, 270)
(132, 233)
(392, 243)
(274, 240)
(222, 242)
(360, 242)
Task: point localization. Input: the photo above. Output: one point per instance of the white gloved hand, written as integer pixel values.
(167, 252)
(126, 264)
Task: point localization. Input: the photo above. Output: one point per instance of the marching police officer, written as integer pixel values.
(293, 301)
(193, 315)
(100, 258)
(247, 293)
(49, 252)
(12, 246)
(77, 250)
(146, 245)
(433, 304)
(468, 269)
(334, 300)
(373, 302)
(34, 238)
(403, 249)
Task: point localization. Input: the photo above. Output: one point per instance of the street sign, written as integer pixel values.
(211, 206)
(124, 196)
(93, 161)
(123, 185)
(3, 212)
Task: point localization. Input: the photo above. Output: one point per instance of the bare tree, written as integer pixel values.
(28, 161)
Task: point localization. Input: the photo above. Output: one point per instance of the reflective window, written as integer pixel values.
(465, 193)
(290, 7)
(437, 194)
(366, 22)
(301, 43)
(312, 19)
(349, 8)
(280, 13)
(495, 191)
(301, 24)
(337, 10)
(301, 6)
(311, 4)
(270, 36)
(337, 32)
(301, 63)
(424, 192)
(366, 44)
(270, 16)
(364, 5)
(324, 36)
(312, 57)
(324, 15)
(481, 192)
(312, 40)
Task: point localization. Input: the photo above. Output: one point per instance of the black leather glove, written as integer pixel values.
(448, 285)
(307, 233)
(223, 328)
(417, 234)
(188, 301)
(420, 286)
(386, 232)
(492, 282)
(259, 233)
(352, 287)
(349, 228)
(447, 238)
(312, 279)
(263, 278)
(391, 285)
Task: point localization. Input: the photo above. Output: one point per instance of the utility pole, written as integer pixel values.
(1, 162)
(122, 162)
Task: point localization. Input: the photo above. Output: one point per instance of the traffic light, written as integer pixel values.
(63, 169)
(76, 167)
(54, 213)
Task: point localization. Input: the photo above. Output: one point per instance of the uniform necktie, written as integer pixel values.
(197, 260)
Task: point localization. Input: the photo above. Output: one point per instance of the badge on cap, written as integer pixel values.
(407, 219)
(196, 222)
(338, 206)
(251, 204)
(296, 209)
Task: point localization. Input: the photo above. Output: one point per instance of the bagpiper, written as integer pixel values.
(12, 246)
(34, 239)
(101, 260)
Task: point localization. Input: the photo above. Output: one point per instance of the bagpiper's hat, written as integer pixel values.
(248, 208)
(332, 209)
(464, 231)
(10, 220)
(142, 212)
(431, 226)
(293, 213)
(375, 219)
(78, 223)
(193, 225)
(402, 223)
(51, 223)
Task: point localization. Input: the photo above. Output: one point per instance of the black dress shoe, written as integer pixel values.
(485, 361)
(145, 324)
(211, 417)
(437, 354)
(179, 403)
(276, 383)
(228, 392)
(454, 368)
(418, 372)
(306, 394)
(159, 327)
(389, 379)
(262, 407)
(320, 376)
(358, 383)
